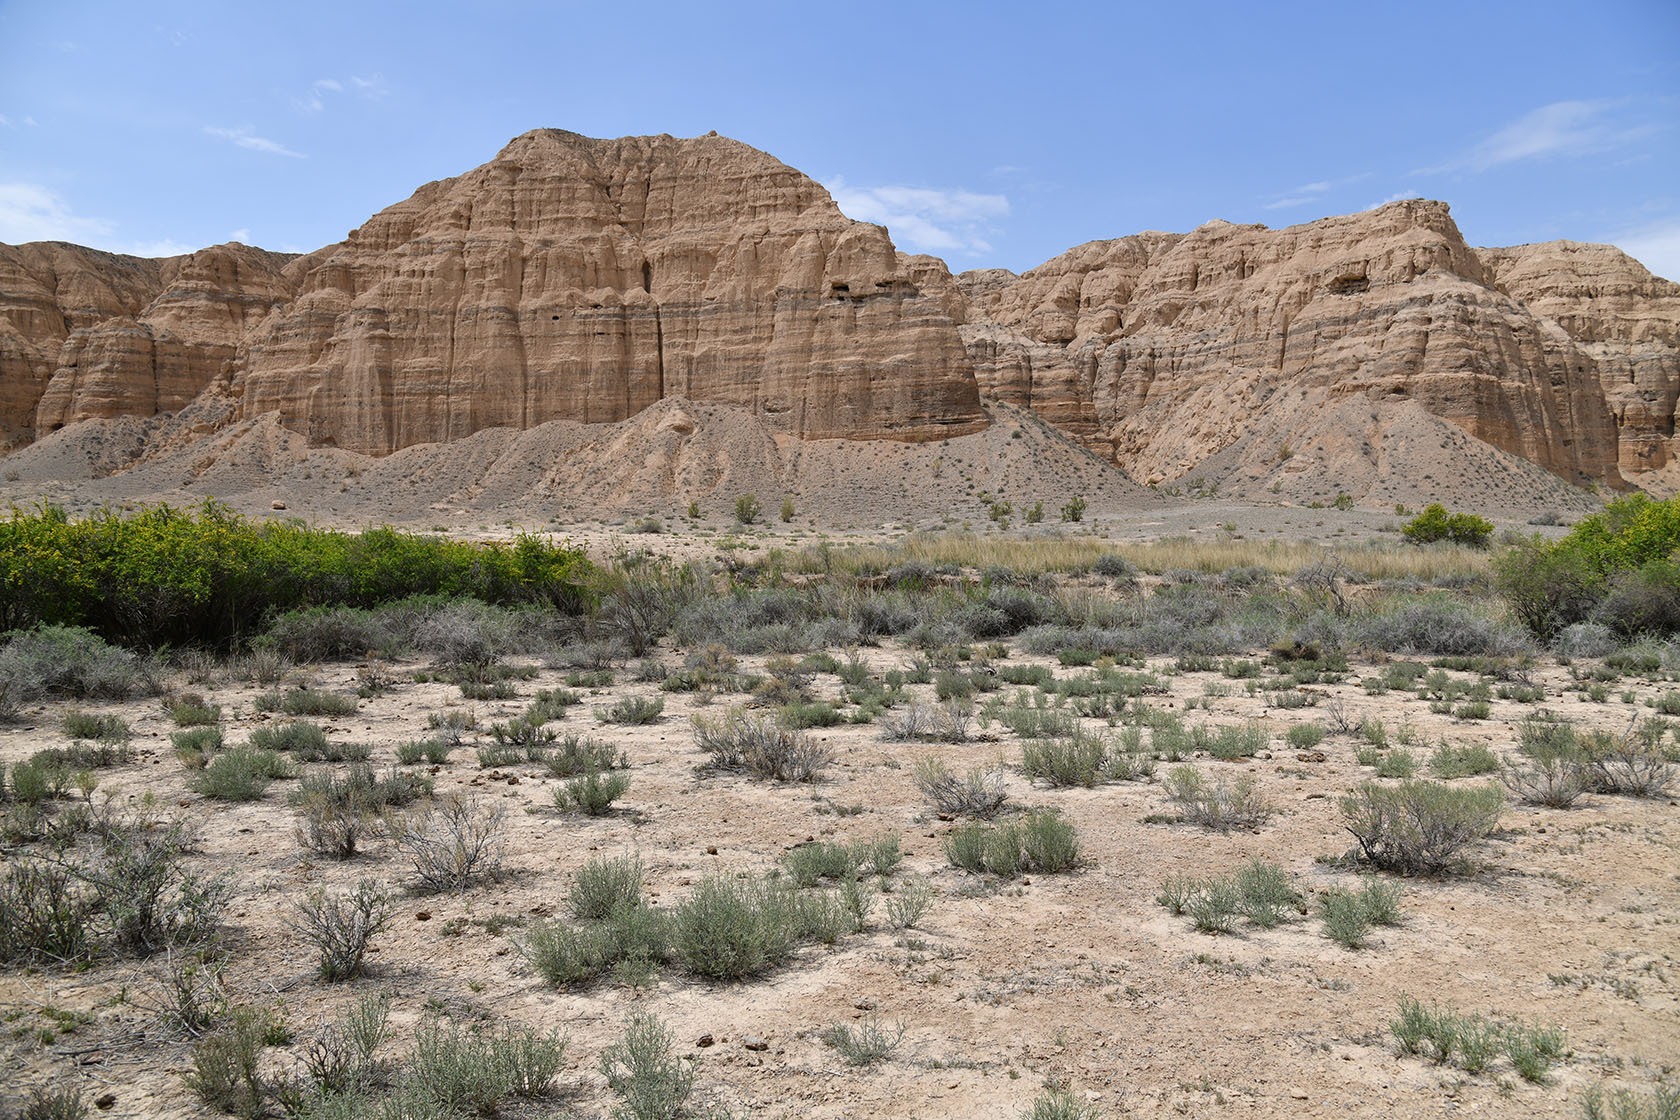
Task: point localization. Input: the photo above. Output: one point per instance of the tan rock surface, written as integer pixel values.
(1623, 318)
(582, 279)
(1164, 351)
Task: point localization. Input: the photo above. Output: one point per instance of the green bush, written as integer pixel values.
(869, 1042)
(167, 576)
(306, 702)
(241, 774)
(1419, 827)
(1221, 804)
(592, 792)
(1038, 840)
(104, 729)
(604, 885)
(1436, 524)
(341, 926)
(748, 509)
(652, 1083)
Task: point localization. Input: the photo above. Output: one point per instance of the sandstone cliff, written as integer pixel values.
(1163, 351)
(582, 279)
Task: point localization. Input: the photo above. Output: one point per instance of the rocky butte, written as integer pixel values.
(579, 279)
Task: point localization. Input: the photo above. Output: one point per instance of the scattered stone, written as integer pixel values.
(753, 1042)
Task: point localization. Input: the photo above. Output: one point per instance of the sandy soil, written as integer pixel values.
(1079, 979)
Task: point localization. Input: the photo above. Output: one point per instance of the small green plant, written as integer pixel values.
(341, 926)
(787, 510)
(593, 792)
(1468, 760)
(192, 710)
(241, 774)
(651, 1083)
(603, 885)
(1221, 804)
(867, 1043)
(1661, 1103)
(224, 1074)
(1419, 827)
(1074, 510)
(1060, 1104)
(1038, 840)
(633, 710)
(978, 793)
(748, 509)
(100, 729)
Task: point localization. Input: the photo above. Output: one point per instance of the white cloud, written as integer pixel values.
(1563, 128)
(1395, 197)
(241, 235)
(924, 218)
(4, 123)
(30, 212)
(371, 88)
(243, 138)
(1656, 246)
(1311, 192)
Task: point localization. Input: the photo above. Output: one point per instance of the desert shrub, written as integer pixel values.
(306, 702)
(1466, 760)
(1266, 893)
(341, 1059)
(748, 509)
(978, 793)
(1349, 915)
(176, 577)
(1551, 768)
(453, 844)
(192, 710)
(1436, 524)
(738, 740)
(1220, 805)
(104, 729)
(809, 863)
(225, 1074)
(1441, 1033)
(53, 1102)
(68, 661)
(241, 774)
(1661, 1103)
(339, 813)
(433, 751)
(633, 710)
(1037, 840)
(473, 1071)
(340, 926)
(867, 1043)
(1345, 921)
(1229, 742)
(1439, 624)
(728, 929)
(302, 738)
(650, 1082)
(147, 897)
(1634, 764)
(909, 903)
(1419, 827)
(44, 915)
(579, 754)
(928, 723)
(1304, 736)
(592, 792)
(603, 885)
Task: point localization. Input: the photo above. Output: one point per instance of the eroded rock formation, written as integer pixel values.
(585, 280)
(1163, 350)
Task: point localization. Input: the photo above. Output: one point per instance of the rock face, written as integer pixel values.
(1163, 351)
(1626, 321)
(584, 280)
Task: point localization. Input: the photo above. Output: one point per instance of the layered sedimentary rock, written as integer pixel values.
(585, 280)
(49, 290)
(160, 359)
(1163, 350)
(1624, 319)
(582, 279)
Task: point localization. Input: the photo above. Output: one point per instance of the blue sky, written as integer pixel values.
(995, 135)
